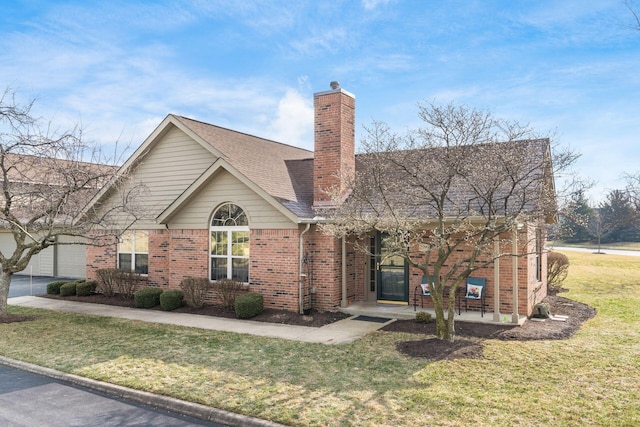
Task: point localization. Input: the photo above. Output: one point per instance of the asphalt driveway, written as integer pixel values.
(24, 285)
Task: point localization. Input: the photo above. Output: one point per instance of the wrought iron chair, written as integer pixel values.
(475, 291)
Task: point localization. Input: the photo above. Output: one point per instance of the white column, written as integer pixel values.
(515, 318)
(496, 280)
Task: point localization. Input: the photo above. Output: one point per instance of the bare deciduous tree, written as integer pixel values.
(47, 178)
(448, 194)
(633, 191)
(636, 25)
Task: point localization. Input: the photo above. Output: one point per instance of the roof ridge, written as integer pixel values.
(241, 133)
(84, 162)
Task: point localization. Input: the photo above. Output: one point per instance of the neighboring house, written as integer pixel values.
(54, 261)
(224, 204)
(34, 184)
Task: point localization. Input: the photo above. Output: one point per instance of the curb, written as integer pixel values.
(183, 407)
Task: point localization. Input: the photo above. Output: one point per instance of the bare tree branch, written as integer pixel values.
(461, 184)
(47, 176)
(635, 16)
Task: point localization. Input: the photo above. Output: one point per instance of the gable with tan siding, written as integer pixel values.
(224, 187)
(167, 170)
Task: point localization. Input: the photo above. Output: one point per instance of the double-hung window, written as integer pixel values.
(229, 239)
(133, 251)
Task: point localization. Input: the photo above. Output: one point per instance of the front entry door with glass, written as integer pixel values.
(392, 274)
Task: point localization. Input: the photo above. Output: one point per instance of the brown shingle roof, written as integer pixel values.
(36, 184)
(526, 160)
(282, 171)
(285, 172)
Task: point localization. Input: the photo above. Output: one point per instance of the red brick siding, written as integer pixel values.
(102, 255)
(188, 255)
(159, 261)
(274, 266)
(324, 254)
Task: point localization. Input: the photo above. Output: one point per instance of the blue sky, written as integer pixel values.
(566, 66)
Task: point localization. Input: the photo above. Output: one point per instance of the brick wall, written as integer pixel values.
(324, 254)
(177, 254)
(188, 255)
(274, 266)
(159, 260)
(102, 255)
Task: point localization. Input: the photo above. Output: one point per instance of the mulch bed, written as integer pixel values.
(271, 315)
(468, 343)
(434, 349)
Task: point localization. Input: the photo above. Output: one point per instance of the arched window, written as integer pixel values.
(229, 239)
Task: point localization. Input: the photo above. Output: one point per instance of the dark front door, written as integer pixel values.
(392, 275)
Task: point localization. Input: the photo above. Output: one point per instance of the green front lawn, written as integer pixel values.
(590, 379)
(625, 246)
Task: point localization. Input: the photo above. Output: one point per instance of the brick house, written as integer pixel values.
(224, 204)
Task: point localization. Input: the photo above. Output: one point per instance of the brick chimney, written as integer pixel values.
(334, 146)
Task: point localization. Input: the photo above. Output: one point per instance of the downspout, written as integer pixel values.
(300, 269)
(344, 302)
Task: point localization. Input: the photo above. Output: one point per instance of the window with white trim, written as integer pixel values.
(133, 251)
(229, 242)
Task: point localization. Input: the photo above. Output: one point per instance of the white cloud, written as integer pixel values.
(332, 40)
(293, 123)
(372, 4)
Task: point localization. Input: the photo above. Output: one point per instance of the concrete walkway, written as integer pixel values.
(341, 332)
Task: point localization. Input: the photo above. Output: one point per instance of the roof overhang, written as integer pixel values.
(165, 126)
(206, 177)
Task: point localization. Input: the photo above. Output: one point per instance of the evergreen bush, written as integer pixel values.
(86, 288)
(171, 299)
(249, 305)
(147, 297)
(53, 288)
(68, 289)
(423, 317)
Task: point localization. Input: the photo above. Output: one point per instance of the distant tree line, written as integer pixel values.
(615, 219)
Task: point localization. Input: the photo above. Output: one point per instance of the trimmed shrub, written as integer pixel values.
(227, 290)
(423, 317)
(53, 288)
(195, 290)
(147, 297)
(86, 288)
(249, 305)
(68, 289)
(171, 299)
(557, 269)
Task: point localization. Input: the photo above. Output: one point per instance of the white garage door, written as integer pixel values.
(71, 259)
(41, 264)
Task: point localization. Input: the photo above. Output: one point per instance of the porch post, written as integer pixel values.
(515, 318)
(344, 302)
(496, 280)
